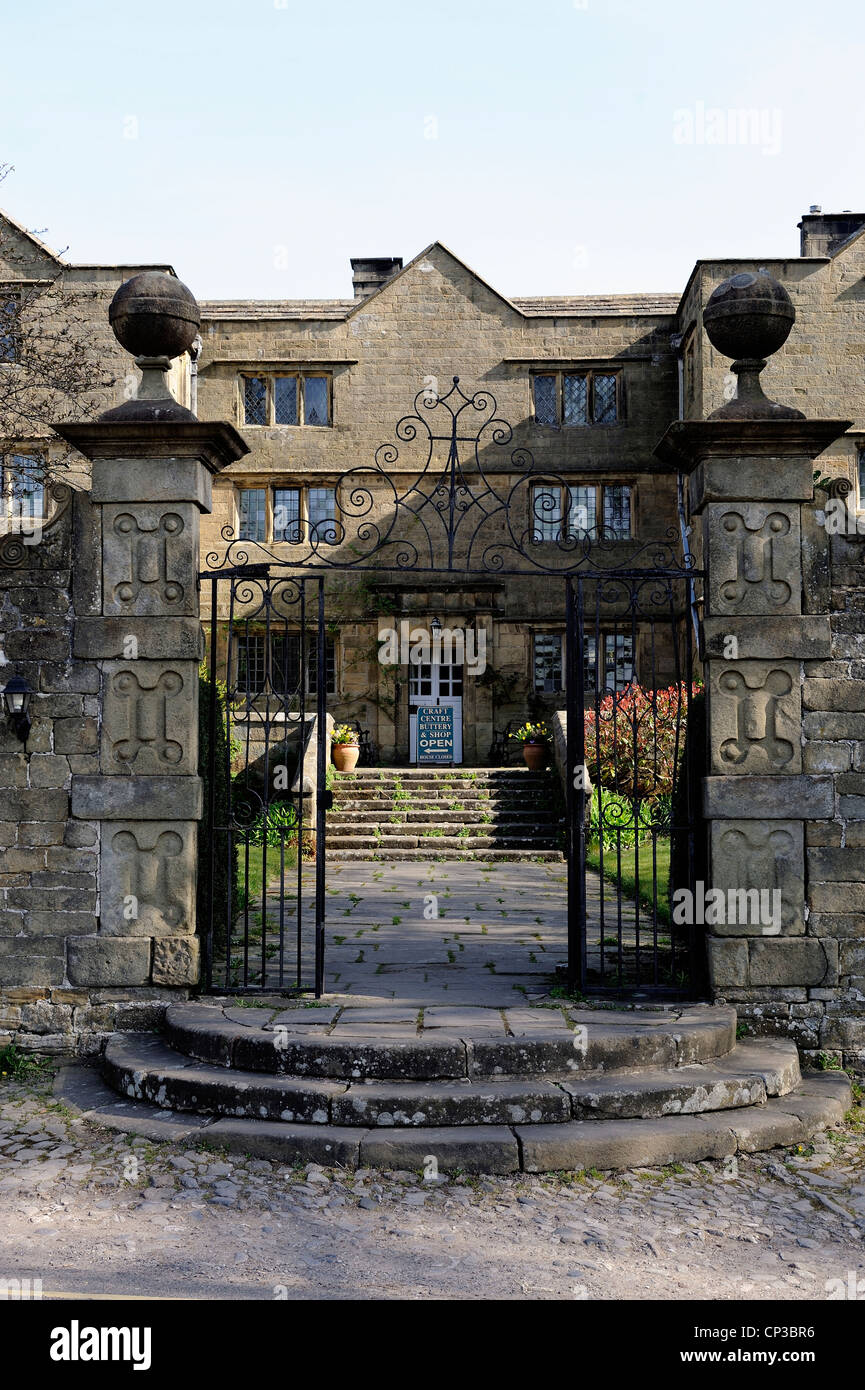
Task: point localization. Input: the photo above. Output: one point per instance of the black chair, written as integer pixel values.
(504, 748)
(367, 747)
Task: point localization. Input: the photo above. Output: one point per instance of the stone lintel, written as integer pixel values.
(215, 444)
(137, 798)
(792, 637)
(768, 798)
(688, 443)
(736, 479)
(163, 480)
(157, 638)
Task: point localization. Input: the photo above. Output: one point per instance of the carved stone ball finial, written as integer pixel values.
(155, 317)
(748, 317)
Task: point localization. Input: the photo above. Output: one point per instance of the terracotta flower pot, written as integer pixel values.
(345, 756)
(535, 755)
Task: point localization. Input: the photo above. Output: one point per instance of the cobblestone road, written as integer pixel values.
(89, 1211)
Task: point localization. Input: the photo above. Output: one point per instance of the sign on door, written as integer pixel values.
(435, 733)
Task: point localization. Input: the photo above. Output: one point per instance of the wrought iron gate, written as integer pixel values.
(261, 893)
(632, 821)
(632, 761)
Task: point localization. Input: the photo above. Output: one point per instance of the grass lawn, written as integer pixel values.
(625, 873)
(256, 871)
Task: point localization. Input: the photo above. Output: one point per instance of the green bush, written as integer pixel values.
(618, 823)
(274, 825)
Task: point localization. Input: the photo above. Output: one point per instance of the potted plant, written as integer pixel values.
(346, 747)
(535, 739)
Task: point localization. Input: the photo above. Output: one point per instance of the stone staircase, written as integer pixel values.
(478, 1089)
(445, 813)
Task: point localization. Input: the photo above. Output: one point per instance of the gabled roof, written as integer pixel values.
(419, 259)
(848, 241)
(34, 240)
(542, 306)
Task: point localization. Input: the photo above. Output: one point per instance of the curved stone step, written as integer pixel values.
(479, 1045)
(142, 1067)
(821, 1100)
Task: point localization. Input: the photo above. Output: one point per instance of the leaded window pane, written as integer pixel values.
(618, 660)
(546, 519)
(316, 406)
(548, 662)
(285, 663)
(617, 513)
(23, 485)
(8, 328)
(583, 515)
(253, 514)
(322, 515)
(286, 514)
(590, 666)
(254, 400)
(251, 668)
(285, 400)
(329, 666)
(546, 412)
(605, 412)
(575, 399)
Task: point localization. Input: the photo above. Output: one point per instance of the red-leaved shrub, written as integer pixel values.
(634, 742)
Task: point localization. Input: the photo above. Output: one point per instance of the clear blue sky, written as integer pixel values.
(276, 140)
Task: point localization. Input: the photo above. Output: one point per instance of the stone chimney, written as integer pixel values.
(369, 273)
(823, 232)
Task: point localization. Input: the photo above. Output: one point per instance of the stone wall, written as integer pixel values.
(100, 808)
(783, 635)
(49, 865)
(833, 745)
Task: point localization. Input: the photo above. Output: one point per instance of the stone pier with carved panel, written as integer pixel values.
(150, 483)
(771, 641)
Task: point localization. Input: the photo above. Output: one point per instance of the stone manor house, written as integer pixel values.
(588, 383)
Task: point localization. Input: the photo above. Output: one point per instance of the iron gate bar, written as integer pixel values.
(211, 792)
(321, 778)
(301, 800)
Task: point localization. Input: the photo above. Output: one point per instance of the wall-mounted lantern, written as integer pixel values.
(16, 698)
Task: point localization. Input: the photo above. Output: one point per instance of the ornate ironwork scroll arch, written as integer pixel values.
(447, 519)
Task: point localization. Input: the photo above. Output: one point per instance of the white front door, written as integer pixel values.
(435, 714)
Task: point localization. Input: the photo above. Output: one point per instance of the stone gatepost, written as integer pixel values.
(152, 468)
(765, 623)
